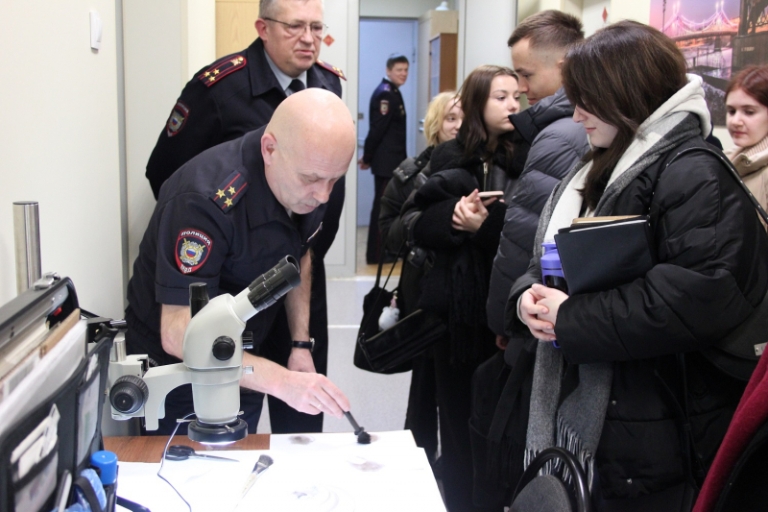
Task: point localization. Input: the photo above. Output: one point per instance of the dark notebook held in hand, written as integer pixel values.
(600, 253)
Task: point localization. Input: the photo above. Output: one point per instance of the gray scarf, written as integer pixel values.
(578, 422)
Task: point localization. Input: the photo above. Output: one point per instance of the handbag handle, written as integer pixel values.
(733, 172)
(367, 316)
(394, 264)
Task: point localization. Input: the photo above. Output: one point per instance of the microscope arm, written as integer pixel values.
(161, 380)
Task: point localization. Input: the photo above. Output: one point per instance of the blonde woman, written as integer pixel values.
(441, 124)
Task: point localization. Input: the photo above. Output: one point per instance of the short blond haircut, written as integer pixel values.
(433, 121)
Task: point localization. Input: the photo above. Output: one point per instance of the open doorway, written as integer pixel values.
(379, 39)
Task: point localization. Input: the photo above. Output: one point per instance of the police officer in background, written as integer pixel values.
(385, 143)
(235, 95)
(224, 218)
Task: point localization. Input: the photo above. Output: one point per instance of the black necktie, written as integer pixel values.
(296, 85)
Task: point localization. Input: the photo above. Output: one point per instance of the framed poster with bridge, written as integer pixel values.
(717, 38)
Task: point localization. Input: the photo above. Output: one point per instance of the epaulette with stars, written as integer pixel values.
(333, 69)
(222, 68)
(230, 191)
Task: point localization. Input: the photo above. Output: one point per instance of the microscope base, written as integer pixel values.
(217, 434)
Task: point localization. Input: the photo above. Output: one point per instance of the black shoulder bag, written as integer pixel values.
(392, 350)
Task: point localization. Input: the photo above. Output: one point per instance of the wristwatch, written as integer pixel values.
(310, 345)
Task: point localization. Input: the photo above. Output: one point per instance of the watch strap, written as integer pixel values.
(304, 344)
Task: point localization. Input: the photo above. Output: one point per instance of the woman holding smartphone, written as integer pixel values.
(460, 231)
(622, 378)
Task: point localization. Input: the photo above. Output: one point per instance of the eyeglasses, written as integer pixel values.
(299, 27)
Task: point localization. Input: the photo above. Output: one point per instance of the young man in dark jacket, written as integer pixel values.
(538, 45)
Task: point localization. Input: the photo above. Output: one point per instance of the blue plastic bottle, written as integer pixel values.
(551, 269)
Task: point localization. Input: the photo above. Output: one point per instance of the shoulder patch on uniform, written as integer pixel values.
(192, 250)
(384, 107)
(333, 69)
(177, 119)
(229, 191)
(222, 68)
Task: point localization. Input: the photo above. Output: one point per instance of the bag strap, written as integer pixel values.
(732, 171)
(394, 264)
(367, 316)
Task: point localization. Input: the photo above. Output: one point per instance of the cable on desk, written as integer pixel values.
(165, 450)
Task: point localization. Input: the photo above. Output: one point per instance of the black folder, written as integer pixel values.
(598, 254)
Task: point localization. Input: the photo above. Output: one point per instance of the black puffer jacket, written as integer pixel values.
(398, 189)
(557, 144)
(712, 272)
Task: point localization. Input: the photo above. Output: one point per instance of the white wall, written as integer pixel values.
(592, 15)
(484, 28)
(342, 18)
(164, 44)
(60, 147)
(398, 8)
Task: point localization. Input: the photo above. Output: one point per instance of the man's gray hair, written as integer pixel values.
(269, 8)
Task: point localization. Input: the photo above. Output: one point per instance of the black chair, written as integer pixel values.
(548, 493)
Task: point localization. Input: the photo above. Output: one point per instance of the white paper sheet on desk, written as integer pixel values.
(353, 477)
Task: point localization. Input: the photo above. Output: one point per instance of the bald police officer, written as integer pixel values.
(235, 95)
(242, 206)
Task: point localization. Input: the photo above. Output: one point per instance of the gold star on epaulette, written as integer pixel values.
(229, 191)
(222, 68)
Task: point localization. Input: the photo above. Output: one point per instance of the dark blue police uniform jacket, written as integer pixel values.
(236, 94)
(385, 142)
(216, 221)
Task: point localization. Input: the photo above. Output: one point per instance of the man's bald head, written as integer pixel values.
(307, 146)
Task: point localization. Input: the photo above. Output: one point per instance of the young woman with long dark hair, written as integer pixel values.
(460, 230)
(628, 387)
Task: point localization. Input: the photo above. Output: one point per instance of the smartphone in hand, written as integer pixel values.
(490, 193)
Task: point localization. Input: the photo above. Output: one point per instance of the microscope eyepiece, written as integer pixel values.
(267, 289)
(198, 297)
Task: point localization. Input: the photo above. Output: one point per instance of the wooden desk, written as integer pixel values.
(150, 448)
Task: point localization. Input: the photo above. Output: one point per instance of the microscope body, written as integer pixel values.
(212, 360)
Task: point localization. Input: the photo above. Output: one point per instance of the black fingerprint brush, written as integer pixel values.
(363, 437)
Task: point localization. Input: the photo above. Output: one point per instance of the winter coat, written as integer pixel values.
(712, 271)
(557, 144)
(398, 189)
(752, 165)
(456, 285)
